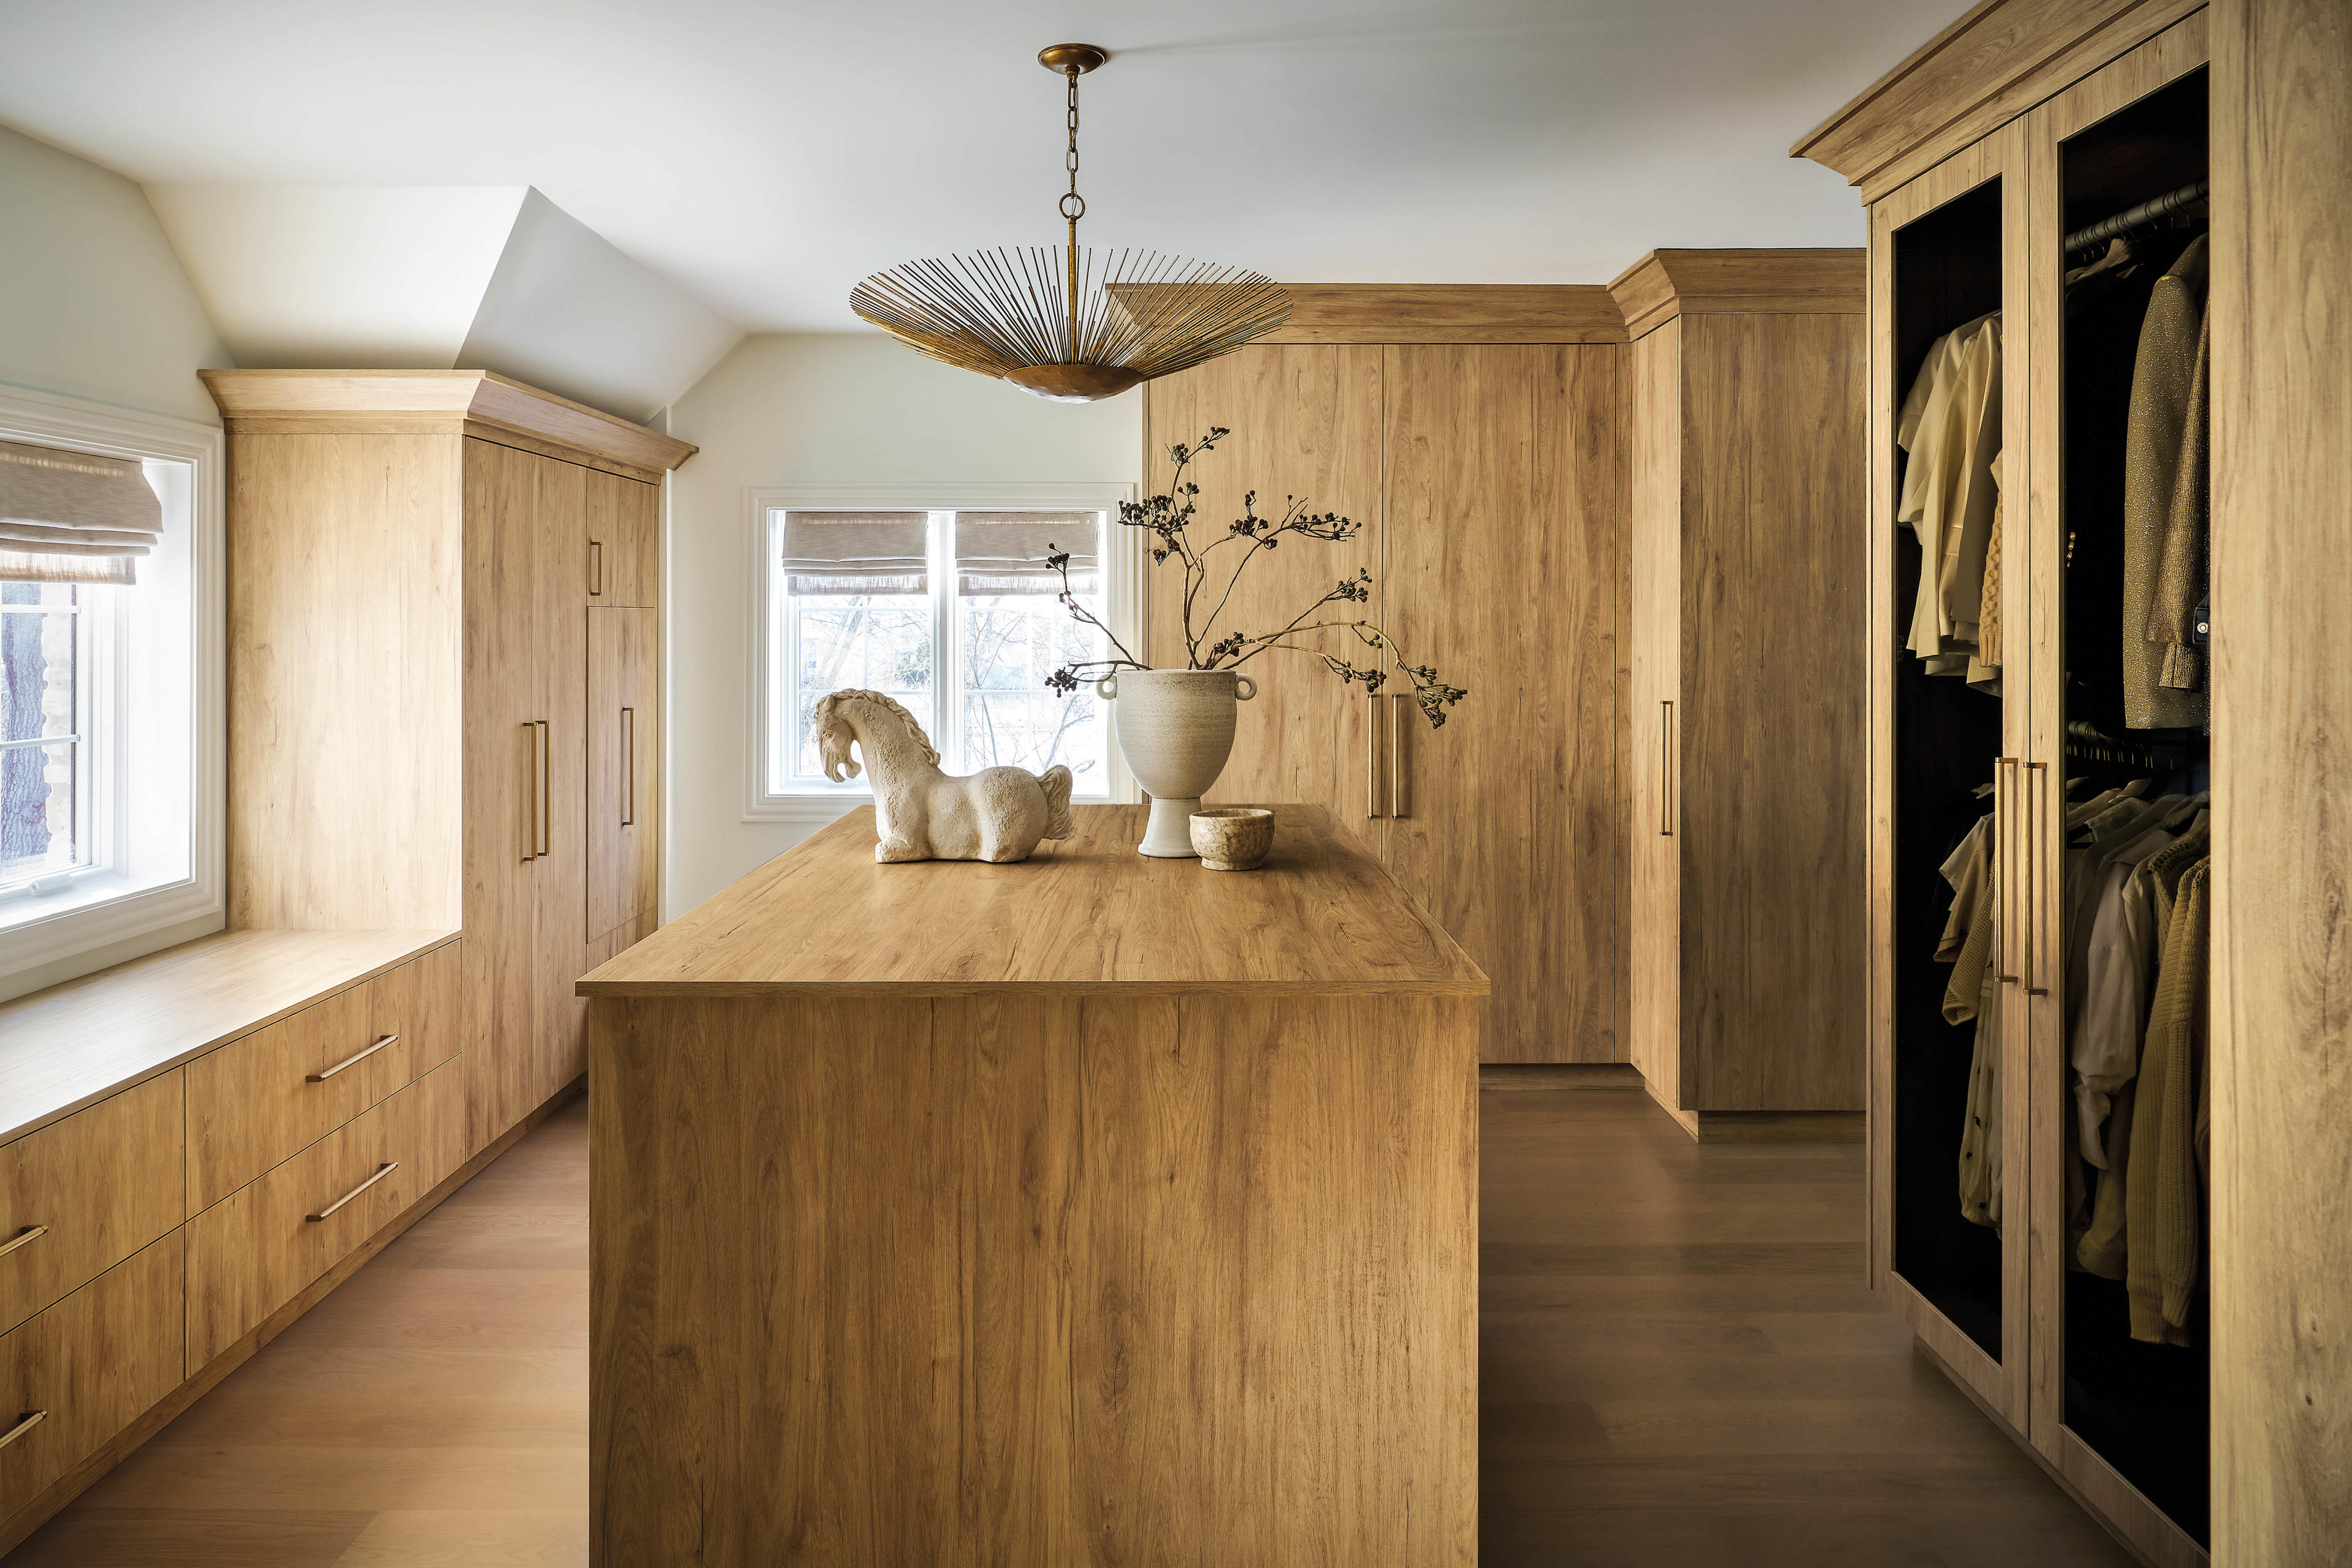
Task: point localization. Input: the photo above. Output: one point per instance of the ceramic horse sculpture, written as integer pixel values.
(921, 813)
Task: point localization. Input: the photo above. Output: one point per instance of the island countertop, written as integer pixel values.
(1085, 914)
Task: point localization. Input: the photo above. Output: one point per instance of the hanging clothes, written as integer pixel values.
(2103, 1041)
(1970, 943)
(2182, 570)
(1984, 669)
(2165, 1194)
(1950, 427)
(2156, 454)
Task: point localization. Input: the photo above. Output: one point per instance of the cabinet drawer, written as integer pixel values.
(254, 1251)
(258, 1101)
(90, 1366)
(82, 1195)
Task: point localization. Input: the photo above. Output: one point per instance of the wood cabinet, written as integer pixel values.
(1979, 158)
(77, 1197)
(1473, 440)
(467, 528)
(1746, 761)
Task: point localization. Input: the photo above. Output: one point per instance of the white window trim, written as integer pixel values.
(37, 940)
(1124, 576)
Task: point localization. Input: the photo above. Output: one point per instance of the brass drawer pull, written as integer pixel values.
(351, 1060)
(1372, 708)
(1665, 768)
(26, 1422)
(30, 1233)
(629, 765)
(596, 565)
(387, 1169)
(1400, 797)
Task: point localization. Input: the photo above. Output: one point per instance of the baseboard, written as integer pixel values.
(1764, 1126)
(123, 1443)
(1558, 1075)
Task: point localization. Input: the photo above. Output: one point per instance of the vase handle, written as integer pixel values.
(1108, 686)
(1244, 688)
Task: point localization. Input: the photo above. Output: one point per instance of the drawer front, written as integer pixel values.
(253, 1252)
(82, 1195)
(259, 1100)
(91, 1364)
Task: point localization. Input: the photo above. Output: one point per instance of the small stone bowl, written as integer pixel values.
(1233, 838)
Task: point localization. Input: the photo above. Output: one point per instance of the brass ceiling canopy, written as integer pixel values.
(1069, 326)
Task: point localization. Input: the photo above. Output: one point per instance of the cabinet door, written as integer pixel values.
(1502, 565)
(623, 768)
(624, 535)
(560, 905)
(1306, 423)
(1653, 486)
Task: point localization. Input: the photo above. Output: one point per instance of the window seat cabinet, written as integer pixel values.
(168, 1130)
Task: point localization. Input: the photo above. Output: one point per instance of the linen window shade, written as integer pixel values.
(1004, 551)
(858, 551)
(73, 517)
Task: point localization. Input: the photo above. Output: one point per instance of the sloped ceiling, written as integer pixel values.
(765, 154)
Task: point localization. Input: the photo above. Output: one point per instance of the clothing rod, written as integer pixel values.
(2132, 217)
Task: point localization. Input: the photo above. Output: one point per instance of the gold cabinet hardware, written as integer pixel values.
(1372, 706)
(2036, 775)
(1399, 794)
(2004, 849)
(387, 1169)
(629, 766)
(354, 1059)
(1665, 767)
(31, 1233)
(546, 790)
(531, 792)
(25, 1423)
(596, 567)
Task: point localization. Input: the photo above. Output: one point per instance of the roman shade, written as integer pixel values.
(71, 517)
(858, 551)
(1004, 551)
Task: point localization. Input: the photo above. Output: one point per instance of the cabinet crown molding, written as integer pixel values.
(1997, 61)
(1449, 314)
(436, 399)
(1669, 283)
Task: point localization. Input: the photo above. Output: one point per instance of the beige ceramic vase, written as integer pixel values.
(1175, 728)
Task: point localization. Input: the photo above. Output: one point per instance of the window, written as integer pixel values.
(950, 610)
(109, 684)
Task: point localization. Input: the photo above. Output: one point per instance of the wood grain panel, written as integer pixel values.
(1449, 314)
(1085, 914)
(91, 1363)
(560, 891)
(2281, 1101)
(343, 603)
(1306, 422)
(1654, 409)
(250, 1254)
(74, 1044)
(624, 538)
(624, 818)
(1502, 569)
(104, 1184)
(1139, 1281)
(1770, 797)
(1667, 283)
(1993, 65)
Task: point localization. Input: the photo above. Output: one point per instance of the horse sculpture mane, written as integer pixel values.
(825, 711)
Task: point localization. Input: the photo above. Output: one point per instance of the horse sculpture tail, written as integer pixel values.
(1057, 780)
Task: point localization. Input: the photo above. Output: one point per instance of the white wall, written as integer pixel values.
(787, 409)
(92, 300)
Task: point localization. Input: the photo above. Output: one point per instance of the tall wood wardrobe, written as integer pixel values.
(2120, 1222)
(1472, 433)
(1745, 509)
(444, 704)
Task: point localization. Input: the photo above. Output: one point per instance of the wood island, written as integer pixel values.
(1091, 1210)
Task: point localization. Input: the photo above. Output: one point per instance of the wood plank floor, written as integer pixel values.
(1680, 1365)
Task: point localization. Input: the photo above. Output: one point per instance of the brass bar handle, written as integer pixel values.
(530, 792)
(25, 1423)
(1665, 767)
(2004, 850)
(387, 1169)
(1372, 706)
(2036, 773)
(546, 790)
(629, 766)
(1400, 796)
(31, 1233)
(351, 1060)
(596, 567)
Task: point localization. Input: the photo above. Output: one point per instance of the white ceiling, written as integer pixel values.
(767, 155)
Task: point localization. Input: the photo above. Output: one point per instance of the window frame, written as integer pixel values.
(37, 931)
(767, 636)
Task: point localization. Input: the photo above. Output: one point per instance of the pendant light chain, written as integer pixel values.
(1073, 208)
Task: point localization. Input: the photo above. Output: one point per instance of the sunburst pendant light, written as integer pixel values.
(1071, 326)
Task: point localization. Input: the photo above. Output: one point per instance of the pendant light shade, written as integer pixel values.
(1071, 325)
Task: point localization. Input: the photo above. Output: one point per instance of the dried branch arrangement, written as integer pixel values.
(1169, 519)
